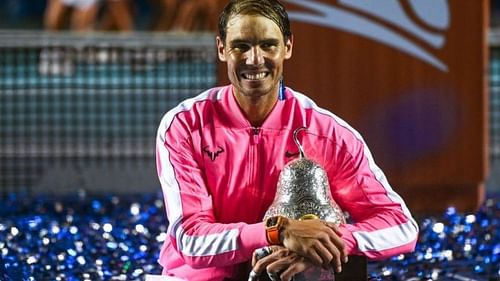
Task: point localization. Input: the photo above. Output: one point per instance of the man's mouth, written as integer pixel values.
(255, 76)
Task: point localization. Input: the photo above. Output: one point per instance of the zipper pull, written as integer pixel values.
(255, 135)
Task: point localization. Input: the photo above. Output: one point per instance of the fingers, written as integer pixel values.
(287, 267)
(339, 244)
(331, 256)
(275, 267)
(334, 227)
(313, 254)
(331, 249)
(337, 241)
(280, 261)
(261, 263)
(326, 251)
(260, 253)
(284, 264)
(300, 264)
(316, 240)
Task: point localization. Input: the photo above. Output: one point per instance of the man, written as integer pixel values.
(219, 156)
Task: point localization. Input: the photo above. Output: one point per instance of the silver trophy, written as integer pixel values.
(303, 192)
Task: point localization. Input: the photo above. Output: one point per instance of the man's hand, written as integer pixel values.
(281, 263)
(316, 240)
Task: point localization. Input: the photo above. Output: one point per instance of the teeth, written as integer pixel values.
(255, 76)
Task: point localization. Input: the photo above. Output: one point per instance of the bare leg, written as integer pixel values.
(211, 8)
(54, 15)
(186, 16)
(120, 13)
(197, 15)
(167, 10)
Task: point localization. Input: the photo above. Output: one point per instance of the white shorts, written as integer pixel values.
(80, 4)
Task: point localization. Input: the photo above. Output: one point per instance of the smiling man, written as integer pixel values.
(254, 49)
(219, 156)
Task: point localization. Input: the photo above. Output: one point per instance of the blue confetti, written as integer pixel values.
(79, 237)
(94, 237)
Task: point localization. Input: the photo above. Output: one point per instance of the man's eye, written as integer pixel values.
(240, 47)
(267, 46)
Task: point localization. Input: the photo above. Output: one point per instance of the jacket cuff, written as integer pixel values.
(253, 236)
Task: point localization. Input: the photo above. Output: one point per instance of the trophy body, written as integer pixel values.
(303, 192)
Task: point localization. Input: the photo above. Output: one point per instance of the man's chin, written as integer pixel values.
(254, 92)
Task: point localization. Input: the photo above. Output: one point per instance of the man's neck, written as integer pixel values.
(256, 109)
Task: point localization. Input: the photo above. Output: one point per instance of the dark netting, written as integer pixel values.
(495, 103)
(77, 101)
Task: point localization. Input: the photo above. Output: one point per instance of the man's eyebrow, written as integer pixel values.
(270, 41)
(266, 40)
(237, 41)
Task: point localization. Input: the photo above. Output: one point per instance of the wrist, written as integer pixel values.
(274, 229)
(284, 227)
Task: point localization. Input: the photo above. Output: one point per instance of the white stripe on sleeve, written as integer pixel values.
(203, 245)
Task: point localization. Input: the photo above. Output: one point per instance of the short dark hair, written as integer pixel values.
(271, 9)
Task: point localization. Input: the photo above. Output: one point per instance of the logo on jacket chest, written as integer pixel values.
(213, 152)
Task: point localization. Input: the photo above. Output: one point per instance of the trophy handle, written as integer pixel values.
(301, 149)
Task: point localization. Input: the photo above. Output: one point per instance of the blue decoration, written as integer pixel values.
(452, 247)
(80, 237)
(83, 237)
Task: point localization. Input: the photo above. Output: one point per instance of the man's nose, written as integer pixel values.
(255, 56)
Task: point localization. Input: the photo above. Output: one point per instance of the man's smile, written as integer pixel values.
(255, 76)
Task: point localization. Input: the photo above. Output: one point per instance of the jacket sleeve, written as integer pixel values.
(195, 234)
(383, 226)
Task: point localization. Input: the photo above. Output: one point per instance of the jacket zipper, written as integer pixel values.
(253, 155)
(255, 135)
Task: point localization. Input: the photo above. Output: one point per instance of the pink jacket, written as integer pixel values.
(219, 176)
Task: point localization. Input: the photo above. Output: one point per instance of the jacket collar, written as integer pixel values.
(275, 120)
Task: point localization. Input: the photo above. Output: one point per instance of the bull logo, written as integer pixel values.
(213, 154)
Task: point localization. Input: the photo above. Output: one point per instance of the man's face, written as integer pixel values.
(254, 51)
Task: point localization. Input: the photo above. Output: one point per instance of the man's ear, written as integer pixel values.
(221, 52)
(289, 47)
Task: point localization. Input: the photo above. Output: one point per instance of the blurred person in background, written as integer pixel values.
(117, 16)
(82, 14)
(196, 15)
(164, 13)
